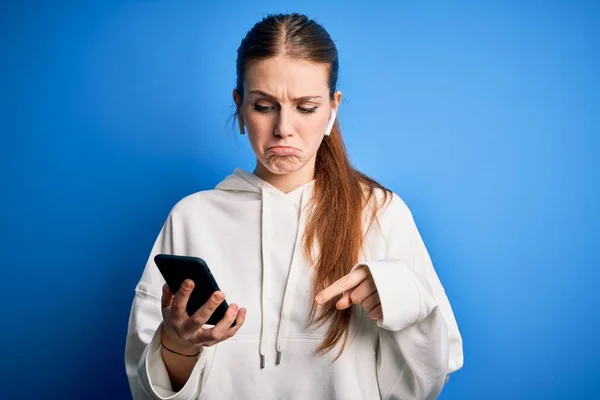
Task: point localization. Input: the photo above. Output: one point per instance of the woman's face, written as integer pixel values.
(286, 108)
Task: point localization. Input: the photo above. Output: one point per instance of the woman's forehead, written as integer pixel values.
(298, 77)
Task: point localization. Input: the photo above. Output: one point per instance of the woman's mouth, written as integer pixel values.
(283, 151)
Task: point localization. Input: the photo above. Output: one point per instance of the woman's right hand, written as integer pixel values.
(184, 333)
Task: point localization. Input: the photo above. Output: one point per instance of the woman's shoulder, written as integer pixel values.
(194, 202)
(388, 205)
(388, 213)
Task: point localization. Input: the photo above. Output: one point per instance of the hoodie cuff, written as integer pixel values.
(404, 300)
(155, 377)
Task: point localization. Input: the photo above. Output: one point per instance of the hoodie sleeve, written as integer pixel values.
(419, 341)
(146, 372)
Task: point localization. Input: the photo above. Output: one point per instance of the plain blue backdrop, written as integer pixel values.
(484, 118)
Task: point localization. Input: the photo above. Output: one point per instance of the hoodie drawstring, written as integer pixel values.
(265, 238)
(288, 294)
(290, 286)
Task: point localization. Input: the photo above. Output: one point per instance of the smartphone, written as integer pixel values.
(175, 269)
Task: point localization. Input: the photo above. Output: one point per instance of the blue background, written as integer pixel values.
(484, 118)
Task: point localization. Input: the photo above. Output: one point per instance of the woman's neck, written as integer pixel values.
(286, 182)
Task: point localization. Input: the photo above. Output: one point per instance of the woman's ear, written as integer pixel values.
(237, 98)
(337, 99)
(240, 117)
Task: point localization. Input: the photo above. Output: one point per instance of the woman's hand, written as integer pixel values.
(358, 287)
(185, 333)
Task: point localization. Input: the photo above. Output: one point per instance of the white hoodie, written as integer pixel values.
(406, 355)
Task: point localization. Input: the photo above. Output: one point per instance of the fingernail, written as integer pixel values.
(319, 299)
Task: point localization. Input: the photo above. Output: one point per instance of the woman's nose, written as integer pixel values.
(284, 126)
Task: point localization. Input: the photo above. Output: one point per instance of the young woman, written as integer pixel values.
(326, 274)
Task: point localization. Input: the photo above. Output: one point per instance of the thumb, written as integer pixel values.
(167, 297)
(344, 302)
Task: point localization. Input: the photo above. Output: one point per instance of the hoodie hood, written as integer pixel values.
(243, 181)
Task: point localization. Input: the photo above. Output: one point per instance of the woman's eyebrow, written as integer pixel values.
(302, 98)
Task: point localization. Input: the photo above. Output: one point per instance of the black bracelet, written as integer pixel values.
(179, 354)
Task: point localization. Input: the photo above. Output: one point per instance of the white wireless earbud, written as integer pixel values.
(330, 123)
(241, 124)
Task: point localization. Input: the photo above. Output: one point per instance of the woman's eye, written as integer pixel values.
(266, 109)
(307, 110)
(262, 109)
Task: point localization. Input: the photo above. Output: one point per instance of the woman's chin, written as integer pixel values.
(282, 165)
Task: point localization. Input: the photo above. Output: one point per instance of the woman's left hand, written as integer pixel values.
(358, 287)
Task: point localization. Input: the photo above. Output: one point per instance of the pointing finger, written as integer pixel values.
(342, 285)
